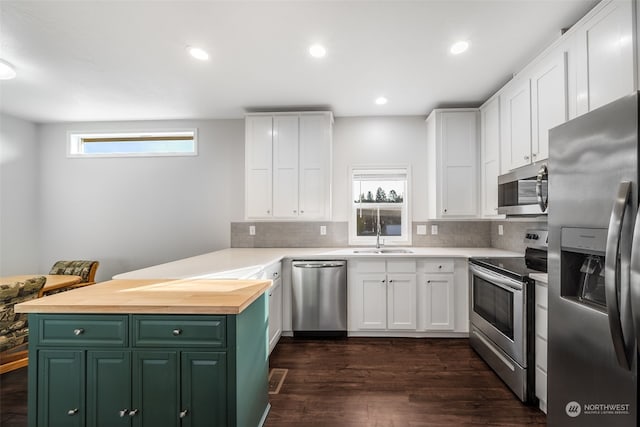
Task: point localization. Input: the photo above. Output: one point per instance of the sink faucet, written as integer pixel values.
(378, 232)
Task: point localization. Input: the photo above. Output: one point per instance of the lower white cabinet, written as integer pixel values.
(274, 273)
(408, 297)
(541, 337)
(436, 301)
(382, 295)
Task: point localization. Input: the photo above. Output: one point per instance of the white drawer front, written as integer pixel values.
(369, 266)
(438, 266)
(401, 266)
(541, 354)
(541, 322)
(274, 271)
(542, 299)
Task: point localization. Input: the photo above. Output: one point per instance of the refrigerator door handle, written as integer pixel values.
(611, 276)
(543, 173)
(634, 279)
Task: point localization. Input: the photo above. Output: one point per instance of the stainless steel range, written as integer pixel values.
(501, 313)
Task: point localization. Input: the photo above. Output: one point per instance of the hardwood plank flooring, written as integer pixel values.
(365, 382)
(391, 382)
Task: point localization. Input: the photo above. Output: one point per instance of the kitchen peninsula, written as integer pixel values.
(152, 352)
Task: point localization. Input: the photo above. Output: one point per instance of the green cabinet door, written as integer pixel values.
(108, 388)
(60, 388)
(155, 389)
(204, 389)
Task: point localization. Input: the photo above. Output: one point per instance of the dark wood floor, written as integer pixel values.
(391, 382)
(365, 382)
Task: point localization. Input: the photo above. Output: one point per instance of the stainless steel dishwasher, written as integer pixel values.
(319, 298)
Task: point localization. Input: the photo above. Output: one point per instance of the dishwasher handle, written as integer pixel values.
(330, 264)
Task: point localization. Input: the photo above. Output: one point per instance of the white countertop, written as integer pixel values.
(241, 263)
(540, 277)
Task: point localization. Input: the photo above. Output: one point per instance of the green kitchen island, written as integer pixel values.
(150, 353)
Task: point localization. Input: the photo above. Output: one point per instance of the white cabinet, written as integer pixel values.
(604, 44)
(382, 295)
(288, 166)
(275, 304)
(516, 124)
(489, 156)
(541, 336)
(452, 139)
(258, 166)
(548, 100)
(436, 301)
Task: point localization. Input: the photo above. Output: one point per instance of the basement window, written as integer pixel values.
(133, 144)
(379, 203)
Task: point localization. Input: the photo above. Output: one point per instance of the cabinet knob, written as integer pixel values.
(268, 212)
(133, 412)
(183, 413)
(428, 282)
(294, 211)
(445, 210)
(275, 274)
(72, 412)
(176, 332)
(382, 281)
(439, 267)
(78, 331)
(123, 413)
(535, 155)
(526, 157)
(301, 212)
(390, 281)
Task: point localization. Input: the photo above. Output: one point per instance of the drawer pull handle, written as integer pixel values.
(183, 413)
(123, 413)
(78, 331)
(177, 332)
(133, 412)
(72, 412)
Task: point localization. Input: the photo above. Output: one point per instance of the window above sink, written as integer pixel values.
(379, 206)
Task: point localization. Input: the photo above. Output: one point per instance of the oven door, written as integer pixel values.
(498, 310)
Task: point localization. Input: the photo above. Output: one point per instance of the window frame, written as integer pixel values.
(403, 239)
(74, 142)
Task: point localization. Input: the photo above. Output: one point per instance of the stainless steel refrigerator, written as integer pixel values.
(594, 268)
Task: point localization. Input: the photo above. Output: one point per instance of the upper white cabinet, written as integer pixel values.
(605, 64)
(489, 156)
(452, 138)
(288, 166)
(516, 124)
(548, 100)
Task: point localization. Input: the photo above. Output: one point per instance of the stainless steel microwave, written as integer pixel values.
(524, 191)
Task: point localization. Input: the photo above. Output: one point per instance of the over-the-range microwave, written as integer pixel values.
(524, 191)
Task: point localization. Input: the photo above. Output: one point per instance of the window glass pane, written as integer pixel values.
(390, 220)
(160, 143)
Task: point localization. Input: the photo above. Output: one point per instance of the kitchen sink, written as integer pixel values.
(382, 251)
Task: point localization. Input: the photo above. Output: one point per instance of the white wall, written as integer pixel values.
(19, 206)
(379, 141)
(130, 213)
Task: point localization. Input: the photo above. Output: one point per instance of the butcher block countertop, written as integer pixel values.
(184, 296)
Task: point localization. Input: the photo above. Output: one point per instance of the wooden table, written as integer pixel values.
(54, 281)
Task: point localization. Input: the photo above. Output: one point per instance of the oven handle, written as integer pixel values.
(495, 279)
(612, 280)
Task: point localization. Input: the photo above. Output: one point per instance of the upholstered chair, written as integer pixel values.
(85, 269)
(14, 329)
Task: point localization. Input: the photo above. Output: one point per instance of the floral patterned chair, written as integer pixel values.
(14, 329)
(85, 269)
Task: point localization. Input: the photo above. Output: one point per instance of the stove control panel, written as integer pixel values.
(537, 238)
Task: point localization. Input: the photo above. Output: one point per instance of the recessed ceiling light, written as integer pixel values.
(7, 71)
(459, 47)
(317, 51)
(198, 53)
(381, 100)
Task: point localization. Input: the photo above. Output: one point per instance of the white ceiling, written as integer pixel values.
(126, 60)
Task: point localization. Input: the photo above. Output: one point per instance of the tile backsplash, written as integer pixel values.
(284, 234)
